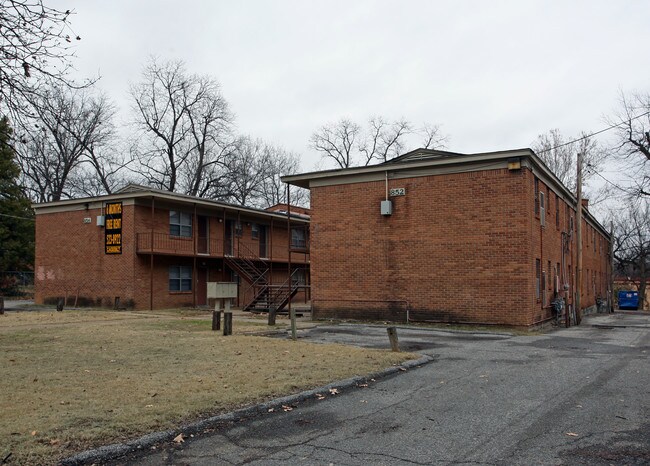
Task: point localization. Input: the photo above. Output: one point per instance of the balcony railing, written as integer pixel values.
(166, 244)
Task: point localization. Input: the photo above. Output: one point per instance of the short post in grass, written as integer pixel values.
(59, 305)
(292, 314)
(392, 336)
(2, 305)
(272, 316)
(227, 323)
(216, 318)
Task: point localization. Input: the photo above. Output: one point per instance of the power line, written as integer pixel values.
(595, 133)
(592, 170)
(14, 216)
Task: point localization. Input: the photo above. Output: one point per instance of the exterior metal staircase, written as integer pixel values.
(253, 269)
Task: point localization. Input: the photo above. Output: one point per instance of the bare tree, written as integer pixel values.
(560, 153)
(70, 128)
(185, 127)
(631, 244)
(245, 170)
(632, 124)
(337, 141)
(384, 140)
(35, 49)
(272, 190)
(347, 144)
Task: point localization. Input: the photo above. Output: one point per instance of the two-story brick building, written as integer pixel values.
(486, 238)
(154, 249)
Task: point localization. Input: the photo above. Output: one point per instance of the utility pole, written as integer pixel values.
(610, 301)
(578, 289)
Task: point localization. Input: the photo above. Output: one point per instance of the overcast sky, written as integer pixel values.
(493, 74)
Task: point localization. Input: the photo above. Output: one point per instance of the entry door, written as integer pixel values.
(201, 286)
(227, 243)
(204, 235)
(263, 242)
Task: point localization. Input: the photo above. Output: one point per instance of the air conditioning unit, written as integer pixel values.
(100, 220)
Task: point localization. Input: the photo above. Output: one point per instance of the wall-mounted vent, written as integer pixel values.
(100, 220)
(386, 208)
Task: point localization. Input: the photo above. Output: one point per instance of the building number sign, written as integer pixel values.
(398, 192)
(113, 228)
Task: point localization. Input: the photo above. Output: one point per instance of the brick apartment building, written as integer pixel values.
(154, 249)
(485, 238)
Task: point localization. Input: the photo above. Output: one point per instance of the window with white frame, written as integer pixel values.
(180, 223)
(180, 278)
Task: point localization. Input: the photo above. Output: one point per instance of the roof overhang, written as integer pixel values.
(147, 194)
(450, 163)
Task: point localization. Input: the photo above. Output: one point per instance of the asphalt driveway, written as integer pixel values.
(573, 396)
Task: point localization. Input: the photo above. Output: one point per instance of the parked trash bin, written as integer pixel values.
(628, 300)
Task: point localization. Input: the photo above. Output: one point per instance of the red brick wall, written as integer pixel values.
(457, 248)
(70, 259)
(447, 248)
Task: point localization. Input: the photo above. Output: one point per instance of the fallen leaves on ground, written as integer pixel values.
(180, 438)
(334, 391)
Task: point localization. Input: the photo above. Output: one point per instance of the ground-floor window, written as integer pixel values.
(180, 278)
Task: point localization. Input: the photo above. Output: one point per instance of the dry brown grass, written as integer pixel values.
(79, 379)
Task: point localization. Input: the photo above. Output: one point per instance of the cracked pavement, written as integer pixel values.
(572, 396)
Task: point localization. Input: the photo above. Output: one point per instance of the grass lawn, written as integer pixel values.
(80, 379)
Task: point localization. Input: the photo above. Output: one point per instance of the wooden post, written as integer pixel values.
(2, 305)
(392, 336)
(227, 323)
(578, 290)
(292, 314)
(216, 320)
(271, 316)
(59, 305)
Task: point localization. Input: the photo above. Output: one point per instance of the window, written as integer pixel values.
(180, 278)
(538, 276)
(180, 223)
(557, 212)
(255, 231)
(299, 277)
(239, 230)
(536, 196)
(298, 238)
(542, 208)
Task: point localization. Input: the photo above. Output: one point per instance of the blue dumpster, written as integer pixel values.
(628, 300)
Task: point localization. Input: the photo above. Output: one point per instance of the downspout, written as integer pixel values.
(194, 273)
(151, 256)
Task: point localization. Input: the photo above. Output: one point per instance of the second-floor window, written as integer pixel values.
(298, 238)
(180, 223)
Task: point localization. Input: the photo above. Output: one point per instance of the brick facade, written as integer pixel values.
(461, 245)
(71, 262)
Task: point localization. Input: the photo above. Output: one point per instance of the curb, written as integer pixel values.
(110, 452)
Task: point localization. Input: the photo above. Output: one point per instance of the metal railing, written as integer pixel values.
(164, 243)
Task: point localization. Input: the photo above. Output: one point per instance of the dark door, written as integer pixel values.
(204, 235)
(201, 286)
(263, 247)
(227, 242)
